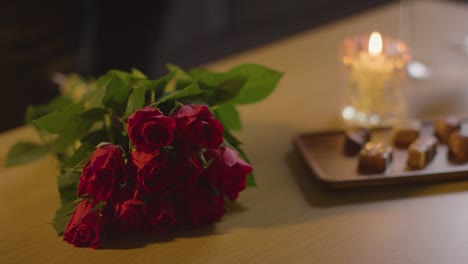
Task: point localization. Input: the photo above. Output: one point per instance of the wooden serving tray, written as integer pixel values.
(323, 154)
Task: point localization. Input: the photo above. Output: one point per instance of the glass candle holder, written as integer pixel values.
(372, 70)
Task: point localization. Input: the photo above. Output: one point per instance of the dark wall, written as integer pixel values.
(205, 30)
(38, 38)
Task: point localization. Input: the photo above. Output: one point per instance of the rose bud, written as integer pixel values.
(149, 129)
(103, 173)
(149, 171)
(196, 126)
(129, 217)
(86, 226)
(159, 215)
(227, 171)
(198, 206)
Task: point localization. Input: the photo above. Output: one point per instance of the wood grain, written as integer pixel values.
(288, 219)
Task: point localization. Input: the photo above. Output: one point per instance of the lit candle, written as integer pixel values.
(373, 61)
(371, 71)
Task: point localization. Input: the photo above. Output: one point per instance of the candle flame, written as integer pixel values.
(375, 43)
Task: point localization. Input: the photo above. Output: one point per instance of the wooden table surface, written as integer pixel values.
(288, 219)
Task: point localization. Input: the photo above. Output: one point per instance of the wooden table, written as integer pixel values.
(288, 219)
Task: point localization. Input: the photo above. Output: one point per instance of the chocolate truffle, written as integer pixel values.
(421, 152)
(355, 139)
(374, 158)
(458, 146)
(406, 132)
(443, 127)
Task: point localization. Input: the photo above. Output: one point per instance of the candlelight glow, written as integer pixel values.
(375, 43)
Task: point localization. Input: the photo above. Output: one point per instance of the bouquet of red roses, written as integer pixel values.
(139, 155)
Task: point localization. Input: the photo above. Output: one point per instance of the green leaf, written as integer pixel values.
(62, 215)
(80, 156)
(59, 103)
(227, 91)
(183, 79)
(179, 73)
(231, 139)
(34, 112)
(157, 86)
(94, 96)
(56, 122)
(138, 74)
(67, 185)
(104, 80)
(229, 116)
(116, 94)
(94, 114)
(209, 78)
(23, 152)
(188, 91)
(221, 87)
(128, 77)
(77, 126)
(37, 111)
(261, 82)
(136, 100)
(251, 180)
(71, 123)
(94, 137)
(73, 132)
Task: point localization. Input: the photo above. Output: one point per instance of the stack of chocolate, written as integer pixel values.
(421, 152)
(355, 139)
(375, 157)
(451, 132)
(421, 149)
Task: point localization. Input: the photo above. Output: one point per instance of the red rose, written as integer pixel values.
(196, 126)
(129, 217)
(149, 129)
(199, 206)
(227, 171)
(123, 193)
(103, 173)
(149, 170)
(86, 226)
(185, 168)
(159, 215)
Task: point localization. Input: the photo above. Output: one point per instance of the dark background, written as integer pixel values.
(38, 38)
